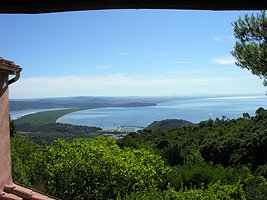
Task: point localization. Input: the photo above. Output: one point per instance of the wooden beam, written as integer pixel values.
(47, 6)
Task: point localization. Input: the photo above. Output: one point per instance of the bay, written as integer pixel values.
(194, 110)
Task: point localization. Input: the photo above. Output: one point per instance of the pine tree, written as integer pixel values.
(251, 46)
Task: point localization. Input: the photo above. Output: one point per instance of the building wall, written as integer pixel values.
(5, 159)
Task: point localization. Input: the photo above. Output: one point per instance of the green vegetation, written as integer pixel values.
(21, 151)
(215, 159)
(229, 151)
(168, 124)
(216, 191)
(251, 47)
(96, 169)
(46, 134)
(42, 127)
(33, 122)
(12, 128)
(221, 141)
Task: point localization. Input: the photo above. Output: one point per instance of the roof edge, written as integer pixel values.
(48, 6)
(9, 67)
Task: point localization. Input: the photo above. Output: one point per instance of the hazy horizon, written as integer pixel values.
(125, 53)
(165, 96)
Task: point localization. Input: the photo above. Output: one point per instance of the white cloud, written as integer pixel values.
(97, 67)
(224, 61)
(122, 53)
(218, 39)
(224, 38)
(116, 84)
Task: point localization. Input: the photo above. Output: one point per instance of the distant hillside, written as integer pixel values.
(82, 102)
(168, 124)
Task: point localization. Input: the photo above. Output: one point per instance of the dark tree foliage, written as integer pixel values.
(251, 46)
(21, 155)
(46, 134)
(223, 141)
(69, 128)
(168, 124)
(226, 150)
(12, 127)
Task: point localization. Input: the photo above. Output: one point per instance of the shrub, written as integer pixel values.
(21, 154)
(200, 175)
(216, 191)
(97, 169)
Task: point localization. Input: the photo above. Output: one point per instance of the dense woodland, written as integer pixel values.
(45, 135)
(214, 159)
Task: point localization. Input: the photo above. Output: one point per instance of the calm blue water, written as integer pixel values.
(194, 110)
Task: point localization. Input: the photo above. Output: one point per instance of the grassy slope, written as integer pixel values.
(43, 118)
(42, 128)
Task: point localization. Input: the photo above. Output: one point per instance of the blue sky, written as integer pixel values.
(124, 53)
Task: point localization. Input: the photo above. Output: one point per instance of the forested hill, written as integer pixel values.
(168, 124)
(221, 141)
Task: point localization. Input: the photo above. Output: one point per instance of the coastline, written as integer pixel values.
(53, 116)
(45, 117)
(57, 120)
(18, 113)
(70, 111)
(195, 111)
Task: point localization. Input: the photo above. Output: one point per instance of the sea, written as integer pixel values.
(135, 118)
(193, 110)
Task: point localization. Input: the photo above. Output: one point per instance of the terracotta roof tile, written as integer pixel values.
(9, 66)
(18, 192)
(6, 196)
